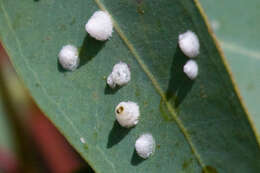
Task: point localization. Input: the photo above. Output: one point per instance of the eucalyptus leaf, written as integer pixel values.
(199, 126)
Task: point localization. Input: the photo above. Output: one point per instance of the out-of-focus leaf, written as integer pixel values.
(236, 24)
(6, 133)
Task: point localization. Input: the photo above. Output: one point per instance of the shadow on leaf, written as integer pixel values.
(89, 49)
(116, 134)
(179, 84)
(60, 68)
(136, 160)
(109, 90)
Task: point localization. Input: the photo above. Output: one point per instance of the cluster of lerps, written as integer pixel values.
(100, 27)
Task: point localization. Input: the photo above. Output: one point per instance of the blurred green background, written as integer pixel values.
(236, 24)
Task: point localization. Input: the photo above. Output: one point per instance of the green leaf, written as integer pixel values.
(199, 126)
(239, 37)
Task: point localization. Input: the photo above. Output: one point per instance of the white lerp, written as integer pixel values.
(100, 25)
(189, 44)
(145, 145)
(120, 75)
(127, 114)
(191, 69)
(69, 57)
(110, 81)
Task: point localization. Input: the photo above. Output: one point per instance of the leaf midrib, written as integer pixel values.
(155, 84)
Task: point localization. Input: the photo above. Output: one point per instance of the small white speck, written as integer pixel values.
(100, 25)
(69, 57)
(127, 114)
(215, 25)
(82, 140)
(145, 145)
(189, 44)
(120, 75)
(191, 69)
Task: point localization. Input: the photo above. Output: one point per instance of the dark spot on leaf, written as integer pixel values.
(62, 27)
(95, 96)
(193, 132)
(85, 146)
(209, 169)
(137, 92)
(95, 134)
(47, 38)
(159, 25)
(186, 164)
(177, 144)
(140, 10)
(73, 21)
